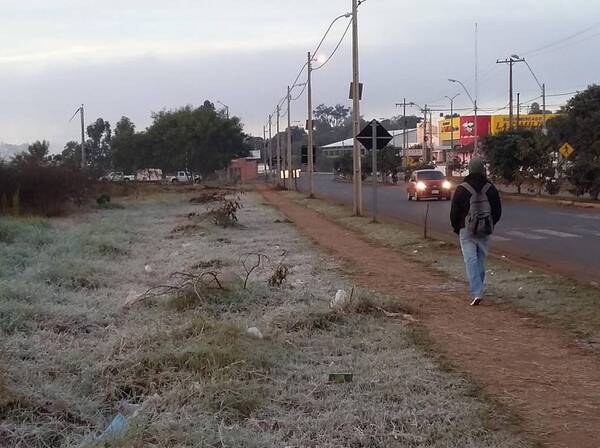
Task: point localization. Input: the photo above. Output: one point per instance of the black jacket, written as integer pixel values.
(462, 201)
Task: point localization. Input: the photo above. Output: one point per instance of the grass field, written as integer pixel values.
(181, 367)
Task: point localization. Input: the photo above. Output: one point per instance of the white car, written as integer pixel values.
(184, 177)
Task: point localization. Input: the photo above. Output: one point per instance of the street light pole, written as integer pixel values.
(279, 148)
(311, 168)
(264, 151)
(451, 125)
(357, 171)
(289, 136)
(271, 147)
(474, 101)
(83, 158)
(510, 61)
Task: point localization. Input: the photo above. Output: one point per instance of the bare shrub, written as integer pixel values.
(224, 213)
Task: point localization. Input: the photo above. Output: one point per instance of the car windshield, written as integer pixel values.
(430, 175)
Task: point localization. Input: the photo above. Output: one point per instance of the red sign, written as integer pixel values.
(467, 128)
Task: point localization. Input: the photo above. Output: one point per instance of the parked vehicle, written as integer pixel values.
(149, 175)
(184, 177)
(117, 176)
(428, 184)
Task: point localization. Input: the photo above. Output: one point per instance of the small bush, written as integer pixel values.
(224, 214)
(39, 188)
(103, 199)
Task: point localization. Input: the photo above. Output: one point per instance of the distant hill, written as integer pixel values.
(7, 150)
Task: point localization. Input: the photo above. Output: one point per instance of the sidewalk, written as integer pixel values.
(537, 372)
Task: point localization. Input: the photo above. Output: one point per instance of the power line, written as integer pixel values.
(559, 41)
(336, 47)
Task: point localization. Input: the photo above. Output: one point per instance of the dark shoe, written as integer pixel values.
(476, 301)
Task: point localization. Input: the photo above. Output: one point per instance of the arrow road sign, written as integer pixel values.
(365, 137)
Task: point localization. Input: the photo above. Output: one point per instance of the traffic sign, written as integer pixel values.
(566, 150)
(365, 137)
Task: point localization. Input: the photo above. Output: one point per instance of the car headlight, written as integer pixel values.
(446, 185)
(421, 186)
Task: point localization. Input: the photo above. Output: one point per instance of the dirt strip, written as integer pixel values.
(536, 372)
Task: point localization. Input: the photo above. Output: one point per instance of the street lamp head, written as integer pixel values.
(452, 80)
(321, 59)
(514, 56)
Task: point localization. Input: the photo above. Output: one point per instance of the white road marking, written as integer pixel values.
(556, 233)
(527, 236)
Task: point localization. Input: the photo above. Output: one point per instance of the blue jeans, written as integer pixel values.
(475, 252)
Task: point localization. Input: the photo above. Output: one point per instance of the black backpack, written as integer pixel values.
(479, 221)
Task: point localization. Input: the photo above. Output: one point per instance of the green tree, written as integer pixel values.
(199, 139)
(71, 154)
(123, 146)
(38, 152)
(97, 147)
(518, 157)
(535, 108)
(579, 125)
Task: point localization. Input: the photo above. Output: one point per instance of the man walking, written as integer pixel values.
(476, 209)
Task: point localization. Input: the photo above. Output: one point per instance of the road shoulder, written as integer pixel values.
(527, 367)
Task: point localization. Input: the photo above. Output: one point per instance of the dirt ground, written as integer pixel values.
(539, 373)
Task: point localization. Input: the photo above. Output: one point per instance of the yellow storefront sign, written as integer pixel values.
(501, 123)
(446, 126)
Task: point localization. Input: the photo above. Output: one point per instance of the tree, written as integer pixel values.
(535, 108)
(333, 116)
(198, 139)
(71, 155)
(123, 146)
(518, 157)
(97, 147)
(579, 125)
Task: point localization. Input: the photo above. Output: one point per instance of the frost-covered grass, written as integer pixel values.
(183, 370)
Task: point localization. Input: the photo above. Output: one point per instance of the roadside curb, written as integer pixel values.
(542, 200)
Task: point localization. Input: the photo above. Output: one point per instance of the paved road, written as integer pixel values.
(564, 239)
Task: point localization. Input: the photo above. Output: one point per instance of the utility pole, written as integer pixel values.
(510, 61)
(404, 136)
(425, 142)
(264, 151)
(518, 109)
(83, 158)
(544, 129)
(289, 136)
(430, 135)
(271, 147)
(356, 153)
(374, 165)
(311, 167)
(279, 149)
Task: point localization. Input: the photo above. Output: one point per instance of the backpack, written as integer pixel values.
(479, 221)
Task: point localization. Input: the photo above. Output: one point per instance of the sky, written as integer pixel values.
(133, 57)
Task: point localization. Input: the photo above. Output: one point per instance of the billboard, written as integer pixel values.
(446, 126)
(467, 128)
(501, 123)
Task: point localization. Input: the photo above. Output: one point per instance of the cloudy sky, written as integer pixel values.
(132, 57)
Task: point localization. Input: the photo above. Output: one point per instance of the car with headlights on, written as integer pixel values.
(428, 184)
